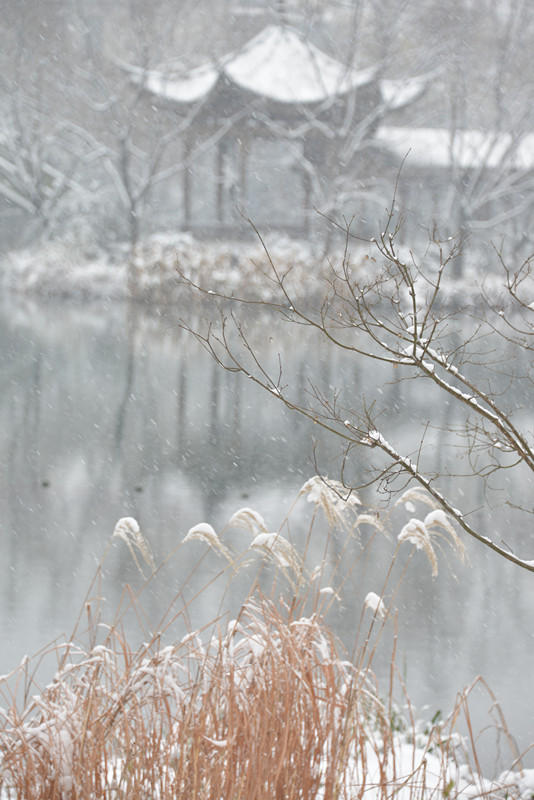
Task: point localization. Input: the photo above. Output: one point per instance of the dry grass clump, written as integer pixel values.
(262, 707)
(61, 269)
(266, 709)
(233, 268)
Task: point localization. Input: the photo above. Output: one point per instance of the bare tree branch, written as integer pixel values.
(404, 313)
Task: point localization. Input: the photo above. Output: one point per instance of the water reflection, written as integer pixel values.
(104, 416)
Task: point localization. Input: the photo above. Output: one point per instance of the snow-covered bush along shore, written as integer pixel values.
(58, 269)
(265, 704)
(164, 266)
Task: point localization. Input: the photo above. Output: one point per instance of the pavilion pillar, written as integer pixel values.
(243, 173)
(307, 192)
(186, 186)
(219, 183)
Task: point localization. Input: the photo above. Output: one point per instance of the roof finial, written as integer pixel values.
(283, 15)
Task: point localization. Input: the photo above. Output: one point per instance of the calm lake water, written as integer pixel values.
(104, 417)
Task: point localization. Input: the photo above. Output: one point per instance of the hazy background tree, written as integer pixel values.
(485, 62)
(39, 154)
(474, 137)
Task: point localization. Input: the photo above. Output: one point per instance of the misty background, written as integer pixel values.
(104, 138)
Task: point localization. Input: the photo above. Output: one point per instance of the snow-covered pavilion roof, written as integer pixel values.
(468, 149)
(277, 64)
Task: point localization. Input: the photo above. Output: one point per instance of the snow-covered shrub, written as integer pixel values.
(159, 268)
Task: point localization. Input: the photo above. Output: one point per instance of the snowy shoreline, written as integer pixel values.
(64, 271)
(56, 270)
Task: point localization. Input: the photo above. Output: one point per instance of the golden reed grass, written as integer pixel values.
(266, 706)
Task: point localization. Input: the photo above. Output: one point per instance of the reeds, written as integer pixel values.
(268, 705)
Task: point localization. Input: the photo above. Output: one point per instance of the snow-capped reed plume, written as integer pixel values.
(203, 532)
(277, 548)
(337, 502)
(127, 529)
(249, 520)
(433, 529)
(267, 704)
(417, 533)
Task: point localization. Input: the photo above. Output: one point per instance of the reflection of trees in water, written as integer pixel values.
(115, 415)
(129, 359)
(21, 467)
(181, 401)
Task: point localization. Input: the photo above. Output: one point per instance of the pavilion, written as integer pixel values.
(265, 121)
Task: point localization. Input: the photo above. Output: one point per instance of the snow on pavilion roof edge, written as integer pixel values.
(277, 64)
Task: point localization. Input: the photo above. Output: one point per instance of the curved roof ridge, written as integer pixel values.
(278, 64)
